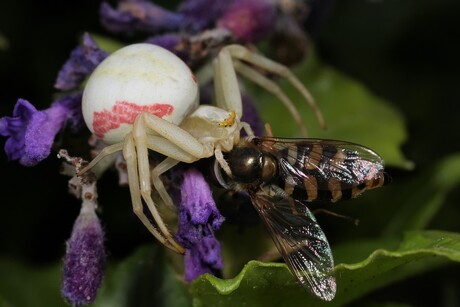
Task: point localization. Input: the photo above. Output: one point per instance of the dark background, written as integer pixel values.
(404, 51)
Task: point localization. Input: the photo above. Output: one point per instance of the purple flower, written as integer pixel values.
(198, 218)
(168, 41)
(202, 14)
(138, 15)
(192, 16)
(251, 116)
(83, 60)
(249, 20)
(289, 41)
(203, 257)
(85, 258)
(31, 132)
(171, 42)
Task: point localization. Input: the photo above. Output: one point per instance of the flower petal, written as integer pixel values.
(203, 258)
(31, 132)
(145, 16)
(198, 218)
(249, 20)
(170, 41)
(197, 201)
(15, 128)
(251, 116)
(196, 18)
(83, 60)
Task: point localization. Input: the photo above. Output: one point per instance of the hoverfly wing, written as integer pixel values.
(300, 240)
(325, 169)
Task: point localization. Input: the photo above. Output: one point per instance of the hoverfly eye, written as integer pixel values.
(246, 164)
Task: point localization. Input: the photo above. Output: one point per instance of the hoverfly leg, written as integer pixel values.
(346, 217)
(268, 130)
(273, 254)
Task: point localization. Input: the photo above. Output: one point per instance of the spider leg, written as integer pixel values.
(106, 151)
(247, 128)
(242, 53)
(175, 155)
(140, 143)
(167, 148)
(227, 91)
(155, 133)
(175, 135)
(158, 170)
(223, 163)
(273, 88)
(129, 153)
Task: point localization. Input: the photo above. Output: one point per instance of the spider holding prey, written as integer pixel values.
(144, 97)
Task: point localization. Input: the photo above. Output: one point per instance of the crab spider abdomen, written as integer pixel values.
(135, 79)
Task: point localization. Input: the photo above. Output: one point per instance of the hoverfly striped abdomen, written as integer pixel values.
(326, 170)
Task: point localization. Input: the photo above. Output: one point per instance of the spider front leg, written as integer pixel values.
(162, 145)
(105, 152)
(166, 144)
(226, 88)
(228, 94)
(129, 153)
(228, 61)
(159, 135)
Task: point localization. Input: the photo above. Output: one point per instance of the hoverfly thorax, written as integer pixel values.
(250, 167)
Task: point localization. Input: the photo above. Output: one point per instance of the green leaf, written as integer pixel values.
(143, 279)
(418, 252)
(23, 285)
(352, 113)
(271, 284)
(108, 44)
(421, 198)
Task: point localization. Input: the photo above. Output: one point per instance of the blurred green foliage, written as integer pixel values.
(3, 42)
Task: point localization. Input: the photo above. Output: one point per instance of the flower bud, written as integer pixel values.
(85, 258)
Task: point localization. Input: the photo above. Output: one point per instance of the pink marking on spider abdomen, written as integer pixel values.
(124, 112)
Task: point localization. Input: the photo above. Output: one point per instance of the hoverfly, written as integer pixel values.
(282, 176)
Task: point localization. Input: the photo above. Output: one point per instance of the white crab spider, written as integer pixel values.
(144, 97)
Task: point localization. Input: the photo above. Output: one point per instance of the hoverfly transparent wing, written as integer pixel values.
(300, 241)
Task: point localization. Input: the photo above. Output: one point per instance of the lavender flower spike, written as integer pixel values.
(139, 15)
(31, 132)
(203, 258)
(198, 218)
(83, 60)
(201, 14)
(249, 20)
(251, 116)
(85, 257)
